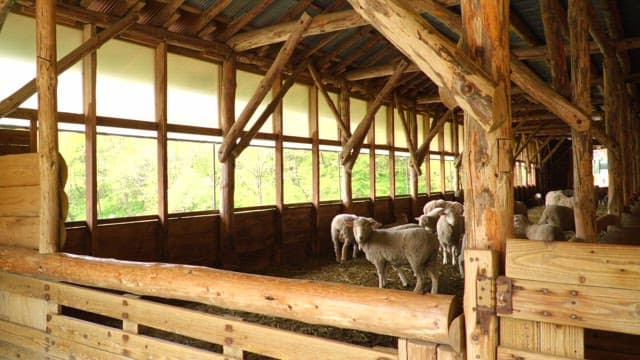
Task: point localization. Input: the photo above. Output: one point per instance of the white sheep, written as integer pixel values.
(341, 233)
(559, 197)
(439, 203)
(522, 228)
(558, 215)
(430, 219)
(415, 246)
(450, 229)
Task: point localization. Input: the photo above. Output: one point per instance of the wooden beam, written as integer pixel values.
(263, 88)
(345, 134)
(227, 168)
(522, 29)
(376, 72)
(246, 138)
(554, 26)
(552, 151)
(160, 89)
(166, 12)
(344, 104)
(434, 54)
(238, 23)
(14, 100)
(584, 209)
(351, 149)
(521, 148)
(321, 24)
(89, 70)
(207, 16)
(5, 6)
(421, 152)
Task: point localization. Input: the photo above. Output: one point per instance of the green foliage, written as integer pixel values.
(127, 176)
(402, 175)
(297, 176)
(434, 169)
(329, 175)
(190, 176)
(449, 174)
(255, 177)
(360, 177)
(72, 149)
(383, 183)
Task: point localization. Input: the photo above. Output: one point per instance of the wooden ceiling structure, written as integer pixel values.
(345, 48)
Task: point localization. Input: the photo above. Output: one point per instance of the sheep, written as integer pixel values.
(559, 197)
(341, 233)
(450, 228)
(522, 228)
(456, 206)
(560, 216)
(415, 246)
(401, 219)
(430, 219)
(520, 208)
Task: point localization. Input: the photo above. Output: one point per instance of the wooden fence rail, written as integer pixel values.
(420, 321)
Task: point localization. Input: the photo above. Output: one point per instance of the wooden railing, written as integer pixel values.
(554, 290)
(31, 320)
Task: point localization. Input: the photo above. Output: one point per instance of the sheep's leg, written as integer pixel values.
(355, 249)
(432, 270)
(345, 248)
(461, 268)
(454, 255)
(445, 254)
(401, 275)
(381, 268)
(336, 249)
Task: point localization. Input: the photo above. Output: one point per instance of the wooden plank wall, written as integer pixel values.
(193, 240)
(14, 141)
(137, 241)
(20, 200)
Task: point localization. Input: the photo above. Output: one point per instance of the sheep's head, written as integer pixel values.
(520, 224)
(362, 229)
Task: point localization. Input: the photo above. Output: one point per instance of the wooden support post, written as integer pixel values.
(263, 88)
(47, 85)
(584, 209)
(488, 165)
(89, 66)
(555, 23)
(161, 119)
(315, 166)
(227, 168)
(279, 172)
(345, 114)
(14, 100)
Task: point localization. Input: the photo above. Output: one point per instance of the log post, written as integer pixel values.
(315, 166)
(344, 110)
(227, 168)
(161, 120)
(47, 84)
(584, 209)
(279, 171)
(89, 67)
(488, 165)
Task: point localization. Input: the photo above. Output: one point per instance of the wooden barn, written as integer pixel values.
(163, 161)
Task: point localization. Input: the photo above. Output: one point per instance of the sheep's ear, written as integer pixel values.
(375, 224)
(348, 223)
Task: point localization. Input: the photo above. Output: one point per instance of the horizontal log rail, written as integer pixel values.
(403, 314)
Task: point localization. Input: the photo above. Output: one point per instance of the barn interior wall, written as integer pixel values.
(556, 168)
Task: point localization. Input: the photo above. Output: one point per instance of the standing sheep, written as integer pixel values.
(342, 233)
(522, 228)
(430, 219)
(415, 246)
(450, 229)
(560, 216)
(559, 197)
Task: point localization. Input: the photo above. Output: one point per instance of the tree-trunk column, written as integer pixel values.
(488, 169)
(584, 209)
(614, 91)
(345, 185)
(227, 168)
(47, 84)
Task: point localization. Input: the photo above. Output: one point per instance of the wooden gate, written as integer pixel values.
(553, 291)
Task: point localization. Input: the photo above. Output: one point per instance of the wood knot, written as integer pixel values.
(467, 89)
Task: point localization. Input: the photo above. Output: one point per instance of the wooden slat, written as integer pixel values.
(507, 353)
(445, 352)
(52, 346)
(20, 231)
(331, 304)
(117, 341)
(14, 352)
(416, 350)
(603, 265)
(23, 201)
(212, 328)
(19, 170)
(581, 306)
(23, 310)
